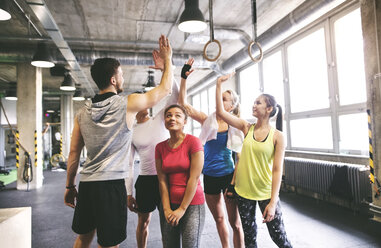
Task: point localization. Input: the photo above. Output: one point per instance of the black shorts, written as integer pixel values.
(147, 193)
(102, 205)
(216, 185)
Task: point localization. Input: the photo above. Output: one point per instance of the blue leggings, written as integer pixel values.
(187, 232)
(275, 227)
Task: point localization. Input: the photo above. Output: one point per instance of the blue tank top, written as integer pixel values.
(218, 158)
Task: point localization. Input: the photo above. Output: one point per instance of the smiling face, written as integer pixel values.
(227, 101)
(260, 108)
(175, 119)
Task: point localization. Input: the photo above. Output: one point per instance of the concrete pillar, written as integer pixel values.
(67, 118)
(371, 28)
(29, 121)
(2, 146)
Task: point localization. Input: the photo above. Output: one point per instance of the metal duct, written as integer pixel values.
(134, 58)
(85, 57)
(306, 13)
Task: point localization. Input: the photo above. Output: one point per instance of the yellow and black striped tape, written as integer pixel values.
(61, 145)
(371, 176)
(35, 148)
(17, 149)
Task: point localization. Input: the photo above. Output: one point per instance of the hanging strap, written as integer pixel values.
(211, 35)
(255, 41)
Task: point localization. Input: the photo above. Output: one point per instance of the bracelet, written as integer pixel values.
(71, 187)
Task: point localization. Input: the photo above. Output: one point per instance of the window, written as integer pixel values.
(350, 59)
(204, 102)
(249, 89)
(354, 133)
(308, 76)
(273, 77)
(212, 99)
(312, 133)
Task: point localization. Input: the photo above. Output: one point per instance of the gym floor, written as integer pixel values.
(309, 223)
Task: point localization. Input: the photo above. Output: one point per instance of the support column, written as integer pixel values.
(29, 122)
(67, 118)
(2, 147)
(371, 28)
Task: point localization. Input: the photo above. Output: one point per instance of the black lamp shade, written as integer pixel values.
(78, 96)
(42, 57)
(11, 95)
(150, 82)
(67, 84)
(192, 20)
(4, 11)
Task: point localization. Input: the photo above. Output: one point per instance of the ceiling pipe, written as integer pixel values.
(303, 15)
(86, 57)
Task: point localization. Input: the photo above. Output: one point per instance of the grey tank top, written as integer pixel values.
(107, 139)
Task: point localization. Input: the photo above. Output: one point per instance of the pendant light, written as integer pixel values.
(78, 96)
(11, 95)
(150, 82)
(4, 11)
(67, 84)
(42, 57)
(192, 20)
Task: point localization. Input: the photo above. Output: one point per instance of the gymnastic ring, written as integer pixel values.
(219, 50)
(260, 56)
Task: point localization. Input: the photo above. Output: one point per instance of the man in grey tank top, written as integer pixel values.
(104, 127)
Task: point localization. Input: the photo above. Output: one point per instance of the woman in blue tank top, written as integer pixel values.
(218, 170)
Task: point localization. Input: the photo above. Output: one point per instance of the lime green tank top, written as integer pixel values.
(253, 177)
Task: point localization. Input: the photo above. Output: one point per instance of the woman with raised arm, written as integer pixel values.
(179, 162)
(219, 141)
(259, 171)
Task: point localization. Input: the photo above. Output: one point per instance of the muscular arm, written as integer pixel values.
(76, 146)
(197, 163)
(138, 102)
(230, 119)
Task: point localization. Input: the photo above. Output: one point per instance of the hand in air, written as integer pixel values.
(187, 68)
(226, 77)
(158, 61)
(165, 49)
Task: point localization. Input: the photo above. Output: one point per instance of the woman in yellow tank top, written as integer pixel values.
(257, 177)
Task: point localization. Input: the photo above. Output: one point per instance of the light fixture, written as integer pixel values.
(67, 84)
(11, 95)
(192, 20)
(4, 11)
(150, 82)
(78, 96)
(42, 57)
(50, 111)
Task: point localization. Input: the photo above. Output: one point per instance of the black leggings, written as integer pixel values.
(275, 227)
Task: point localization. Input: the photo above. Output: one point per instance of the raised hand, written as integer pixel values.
(158, 61)
(187, 68)
(165, 49)
(224, 78)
